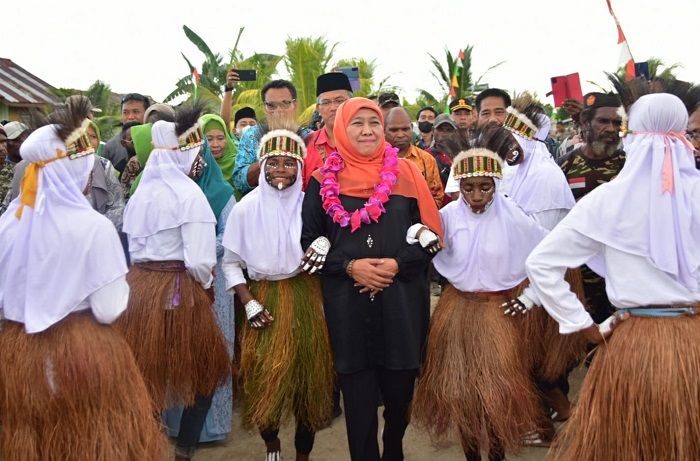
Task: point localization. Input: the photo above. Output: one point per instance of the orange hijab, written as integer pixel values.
(361, 173)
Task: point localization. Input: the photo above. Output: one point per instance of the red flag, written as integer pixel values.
(625, 53)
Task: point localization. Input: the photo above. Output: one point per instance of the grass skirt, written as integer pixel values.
(180, 351)
(641, 397)
(551, 354)
(475, 376)
(287, 368)
(74, 392)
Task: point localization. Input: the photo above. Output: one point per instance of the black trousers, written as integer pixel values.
(191, 424)
(361, 391)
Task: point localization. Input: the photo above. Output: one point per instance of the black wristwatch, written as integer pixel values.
(228, 88)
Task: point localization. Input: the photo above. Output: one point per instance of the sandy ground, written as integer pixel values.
(331, 443)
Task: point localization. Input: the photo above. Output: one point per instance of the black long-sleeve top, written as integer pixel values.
(391, 330)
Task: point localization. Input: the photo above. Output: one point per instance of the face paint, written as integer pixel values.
(197, 167)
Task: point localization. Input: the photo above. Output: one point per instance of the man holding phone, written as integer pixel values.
(332, 89)
(279, 98)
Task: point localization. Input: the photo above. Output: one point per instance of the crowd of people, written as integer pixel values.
(146, 278)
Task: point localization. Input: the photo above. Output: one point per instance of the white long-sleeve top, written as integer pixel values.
(630, 280)
(107, 303)
(192, 243)
(233, 266)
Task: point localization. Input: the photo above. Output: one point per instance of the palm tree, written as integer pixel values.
(443, 74)
(307, 58)
(655, 69)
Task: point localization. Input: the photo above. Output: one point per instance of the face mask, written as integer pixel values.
(425, 127)
(240, 131)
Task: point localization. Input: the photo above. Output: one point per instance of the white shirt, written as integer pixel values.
(193, 243)
(108, 302)
(233, 266)
(631, 281)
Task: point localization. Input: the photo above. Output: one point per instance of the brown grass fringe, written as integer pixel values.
(287, 368)
(641, 397)
(74, 392)
(475, 375)
(551, 354)
(181, 352)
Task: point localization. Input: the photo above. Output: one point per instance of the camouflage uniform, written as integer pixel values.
(584, 175)
(6, 172)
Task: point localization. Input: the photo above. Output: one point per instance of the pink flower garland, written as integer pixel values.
(374, 206)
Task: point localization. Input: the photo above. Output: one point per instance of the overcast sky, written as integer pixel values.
(136, 45)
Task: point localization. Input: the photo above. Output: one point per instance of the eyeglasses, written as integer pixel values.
(134, 97)
(327, 102)
(692, 135)
(271, 105)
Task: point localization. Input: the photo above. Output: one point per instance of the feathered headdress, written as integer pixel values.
(72, 122)
(187, 129)
(477, 162)
(523, 117)
(279, 137)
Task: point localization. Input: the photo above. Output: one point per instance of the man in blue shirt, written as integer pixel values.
(279, 97)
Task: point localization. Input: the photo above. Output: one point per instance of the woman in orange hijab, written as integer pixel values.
(382, 227)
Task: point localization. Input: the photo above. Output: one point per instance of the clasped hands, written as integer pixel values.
(372, 275)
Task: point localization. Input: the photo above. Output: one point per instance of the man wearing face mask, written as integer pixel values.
(426, 120)
(243, 119)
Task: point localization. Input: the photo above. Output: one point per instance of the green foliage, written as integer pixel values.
(306, 58)
(101, 96)
(366, 70)
(443, 74)
(657, 69)
(108, 125)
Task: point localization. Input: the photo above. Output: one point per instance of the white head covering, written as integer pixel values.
(636, 213)
(273, 219)
(61, 250)
(538, 184)
(166, 197)
(486, 251)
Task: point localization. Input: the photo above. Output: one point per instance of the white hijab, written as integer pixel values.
(635, 213)
(538, 184)
(264, 228)
(166, 197)
(61, 251)
(487, 251)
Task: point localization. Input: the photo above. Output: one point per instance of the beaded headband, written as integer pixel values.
(478, 162)
(281, 143)
(78, 142)
(519, 124)
(191, 138)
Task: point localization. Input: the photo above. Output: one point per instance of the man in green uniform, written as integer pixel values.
(595, 162)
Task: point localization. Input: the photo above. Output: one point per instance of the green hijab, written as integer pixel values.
(227, 161)
(143, 145)
(100, 145)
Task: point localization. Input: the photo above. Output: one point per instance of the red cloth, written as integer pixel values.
(317, 149)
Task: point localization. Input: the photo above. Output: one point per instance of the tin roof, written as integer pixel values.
(17, 86)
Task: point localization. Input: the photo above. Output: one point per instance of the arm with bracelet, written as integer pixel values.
(258, 316)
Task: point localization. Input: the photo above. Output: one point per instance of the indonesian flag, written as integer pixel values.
(454, 81)
(625, 60)
(195, 80)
